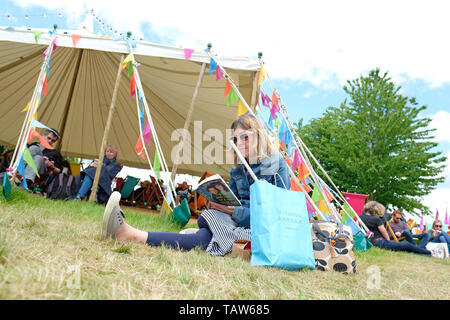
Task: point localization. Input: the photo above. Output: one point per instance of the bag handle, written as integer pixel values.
(241, 157)
(275, 178)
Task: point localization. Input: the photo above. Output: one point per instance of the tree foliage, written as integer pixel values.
(377, 143)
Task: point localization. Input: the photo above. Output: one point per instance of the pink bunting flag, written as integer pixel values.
(75, 39)
(296, 161)
(44, 86)
(219, 74)
(309, 206)
(437, 215)
(273, 111)
(447, 218)
(421, 223)
(54, 44)
(265, 100)
(147, 133)
(188, 53)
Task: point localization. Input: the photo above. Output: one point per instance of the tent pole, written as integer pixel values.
(69, 100)
(187, 123)
(106, 132)
(254, 92)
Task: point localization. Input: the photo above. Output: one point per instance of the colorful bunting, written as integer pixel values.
(297, 160)
(447, 218)
(328, 194)
(37, 35)
(212, 66)
(228, 88)
(167, 209)
(33, 133)
(6, 192)
(323, 207)
(232, 97)
(37, 124)
(188, 53)
(316, 195)
(284, 133)
(261, 76)
(271, 122)
(75, 39)
(128, 59)
(265, 100)
(309, 207)
(139, 148)
(156, 165)
(421, 223)
(44, 86)
(219, 74)
(274, 99)
(132, 86)
(21, 170)
(27, 107)
(437, 215)
(242, 109)
(29, 160)
(147, 133)
(130, 69)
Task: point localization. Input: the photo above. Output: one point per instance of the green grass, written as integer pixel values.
(53, 250)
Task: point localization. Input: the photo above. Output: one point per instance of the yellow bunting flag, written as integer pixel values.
(166, 207)
(262, 76)
(323, 207)
(27, 107)
(129, 58)
(242, 109)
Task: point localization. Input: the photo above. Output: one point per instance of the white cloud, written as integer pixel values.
(441, 122)
(323, 42)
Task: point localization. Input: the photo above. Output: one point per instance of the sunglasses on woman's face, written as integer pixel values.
(242, 137)
(438, 226)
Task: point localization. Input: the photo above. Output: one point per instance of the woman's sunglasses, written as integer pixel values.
(242, 137)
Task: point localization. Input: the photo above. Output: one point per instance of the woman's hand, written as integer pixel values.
(93, 164)
(220, 207)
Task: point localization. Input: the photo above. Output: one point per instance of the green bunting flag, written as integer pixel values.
(130, 69)
(37, 34)
(6, 192)
(348, 210)
(232, 97)
(316, 195)
(156, 165)
(344, 217)
(29, 160)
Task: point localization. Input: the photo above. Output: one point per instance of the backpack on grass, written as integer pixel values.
(61, 187)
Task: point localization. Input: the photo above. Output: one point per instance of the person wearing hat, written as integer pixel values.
(401, 229)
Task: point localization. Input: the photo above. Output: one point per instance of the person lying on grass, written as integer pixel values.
(372, 216)
(219, 225)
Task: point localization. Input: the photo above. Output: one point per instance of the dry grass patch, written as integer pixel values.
(52, 250)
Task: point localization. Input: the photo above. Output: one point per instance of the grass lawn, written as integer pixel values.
(52, 250)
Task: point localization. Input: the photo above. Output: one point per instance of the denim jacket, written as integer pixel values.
(241, 180)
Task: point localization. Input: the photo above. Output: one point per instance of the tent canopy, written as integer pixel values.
(81, 84)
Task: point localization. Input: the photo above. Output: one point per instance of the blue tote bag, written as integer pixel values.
(280, 229)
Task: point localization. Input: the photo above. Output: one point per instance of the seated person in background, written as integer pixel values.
(139, 193)
(401, 229)
(372, 217)
(437, 235)
(47, 161)
(5, 159)
(110, 169)
(183, 192)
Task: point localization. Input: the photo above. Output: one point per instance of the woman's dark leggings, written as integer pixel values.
(183, 241)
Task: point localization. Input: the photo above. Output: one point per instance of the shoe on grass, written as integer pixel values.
(112, 217)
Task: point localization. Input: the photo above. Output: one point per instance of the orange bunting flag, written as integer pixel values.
(75, 39)
(303, 171)
(274, 98)
(227, 88)
(132, 86)
(44, 86)
(328, 194)
(139, 148)
(294, 186)
(33, 133)
(288, 160)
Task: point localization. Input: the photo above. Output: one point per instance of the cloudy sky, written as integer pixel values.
(310, 48)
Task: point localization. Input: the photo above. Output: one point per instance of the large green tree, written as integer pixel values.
(377, 143)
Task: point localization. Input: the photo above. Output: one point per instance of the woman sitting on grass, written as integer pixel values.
(110, 168)
(372, 216)
(437, 235)
(219, 225)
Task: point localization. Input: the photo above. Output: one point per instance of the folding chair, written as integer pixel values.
(127, 189)
(153, 196)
